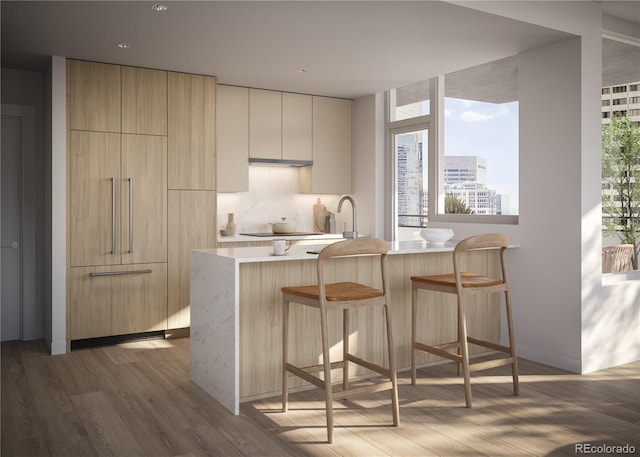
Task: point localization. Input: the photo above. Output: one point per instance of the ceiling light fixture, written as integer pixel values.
(159, 8)
(302, 70)
(124, 45)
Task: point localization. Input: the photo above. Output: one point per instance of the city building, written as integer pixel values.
(620, 100)
(412, 196)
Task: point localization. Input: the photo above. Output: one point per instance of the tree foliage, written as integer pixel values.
(455, 205)
(621, 181)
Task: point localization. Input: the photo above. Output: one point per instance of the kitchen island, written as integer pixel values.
(236, 314)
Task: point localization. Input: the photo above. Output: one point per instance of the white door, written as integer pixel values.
(10, 229)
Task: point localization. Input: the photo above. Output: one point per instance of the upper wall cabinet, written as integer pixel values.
(280, 125)
(332, 170)
(255, 123)
(191, 132)
(232, 127)
(94, 96)
(144, 101)
(297, 127)
(265, 124)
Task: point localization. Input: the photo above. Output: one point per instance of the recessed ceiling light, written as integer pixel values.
(124, 45)
(302, 70)
(159, 8)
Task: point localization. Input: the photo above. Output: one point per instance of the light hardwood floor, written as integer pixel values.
(136, 399)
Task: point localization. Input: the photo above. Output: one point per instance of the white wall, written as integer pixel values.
(546, 269)
(58, 201)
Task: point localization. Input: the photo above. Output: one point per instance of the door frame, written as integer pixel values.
(32, 318)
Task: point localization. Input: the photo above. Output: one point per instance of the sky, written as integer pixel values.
(486, 130)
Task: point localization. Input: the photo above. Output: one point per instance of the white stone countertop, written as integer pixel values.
(248, 238)
(301, 252)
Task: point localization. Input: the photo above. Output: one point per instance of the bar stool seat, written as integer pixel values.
(463, 284)
(341, 296)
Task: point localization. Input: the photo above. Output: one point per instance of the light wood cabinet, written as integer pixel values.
(192, 226)
(109, 172)
(94, 96)
(144, 198)
(265, 124)
(332, 170)
(297, 127)
(191, 132)
(232, 149)
(144, 101)
(135, 133)
(117, 300)
(94, 211)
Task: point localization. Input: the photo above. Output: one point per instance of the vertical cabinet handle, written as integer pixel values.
(113, 215)
(130, 215)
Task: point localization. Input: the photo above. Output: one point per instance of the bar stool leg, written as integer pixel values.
(464, 349)
(414, 318)
(285, 354)
(512, 343)
(345, 348)
(328, 395)
(392, 369)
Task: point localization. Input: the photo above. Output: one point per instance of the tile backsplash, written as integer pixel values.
(273, 194)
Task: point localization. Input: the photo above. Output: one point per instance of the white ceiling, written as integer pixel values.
(350, 48)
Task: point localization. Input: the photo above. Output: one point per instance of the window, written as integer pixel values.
(634, 100)
(477, 179)
(606, 102)
(634, 87)
(481, 140)
(411, 163)
(606, 90)
(619, 101)
(619, 89)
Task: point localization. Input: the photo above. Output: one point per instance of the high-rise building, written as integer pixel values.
(464, 169)
(621, 99)
(465, 177)
(412, 196)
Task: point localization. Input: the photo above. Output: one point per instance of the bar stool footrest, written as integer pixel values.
(436, 350)
(478, 366)
(369, 365)
(489, 344)
(305, 373)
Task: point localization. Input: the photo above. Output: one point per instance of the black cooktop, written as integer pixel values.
(265, 234)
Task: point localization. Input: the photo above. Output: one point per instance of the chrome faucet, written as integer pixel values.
(354, 233)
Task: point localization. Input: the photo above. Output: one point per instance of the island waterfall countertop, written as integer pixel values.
(248, 238)
(236, 313)
(301, 252)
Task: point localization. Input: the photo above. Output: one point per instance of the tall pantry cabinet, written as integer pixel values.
(119, 132)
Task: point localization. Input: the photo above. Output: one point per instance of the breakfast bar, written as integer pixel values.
(236, 313)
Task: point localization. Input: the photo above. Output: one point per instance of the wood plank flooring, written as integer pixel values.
(136, 399)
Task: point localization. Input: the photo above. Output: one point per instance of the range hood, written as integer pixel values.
(280, 162)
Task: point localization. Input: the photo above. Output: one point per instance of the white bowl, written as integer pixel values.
(436, 236)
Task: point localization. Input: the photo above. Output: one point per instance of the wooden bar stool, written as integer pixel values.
(463, 284)
(341, 296)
